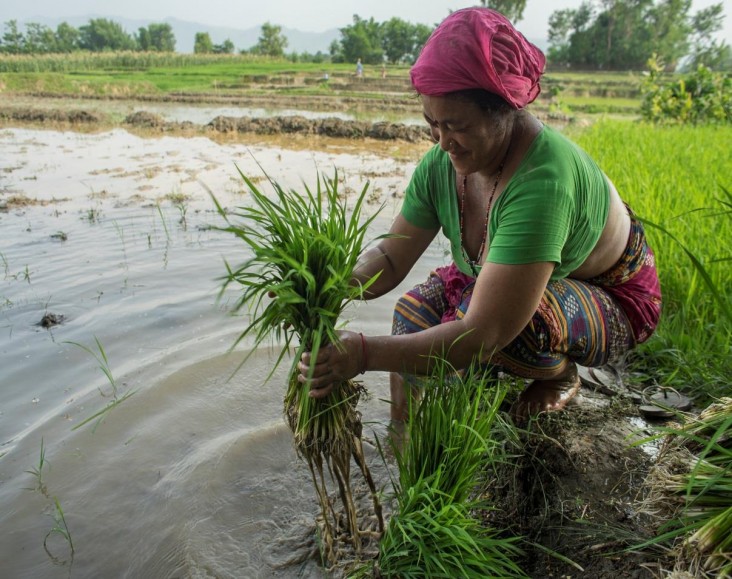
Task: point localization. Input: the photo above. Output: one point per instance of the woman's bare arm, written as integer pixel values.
(394, 257)
(503, 302)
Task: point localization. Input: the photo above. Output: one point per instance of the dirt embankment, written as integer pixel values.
(41, 109)
(332, 127)
(329, 127)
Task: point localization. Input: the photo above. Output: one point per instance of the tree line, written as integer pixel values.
(394, 41)
(598, 35)
(624, 34)
(98, 35)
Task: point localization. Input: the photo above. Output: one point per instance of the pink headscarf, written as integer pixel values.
(479, 48)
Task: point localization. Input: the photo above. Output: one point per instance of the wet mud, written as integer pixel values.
(279, 125)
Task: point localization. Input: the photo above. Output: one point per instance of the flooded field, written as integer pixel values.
(130, 431)
(109, 275)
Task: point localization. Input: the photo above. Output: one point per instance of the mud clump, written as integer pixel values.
(328, 127)
(145, 120)
(50, 319)
(295, 124)
(33, 115)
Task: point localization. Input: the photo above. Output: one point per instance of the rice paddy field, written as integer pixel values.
(134, 443)
(677, 179)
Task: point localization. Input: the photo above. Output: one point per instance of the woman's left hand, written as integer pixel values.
(333, 366)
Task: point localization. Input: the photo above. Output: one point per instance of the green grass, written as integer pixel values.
(676, 177)
(132, 73)
(146, 73)
(435, 530)
(598, 104)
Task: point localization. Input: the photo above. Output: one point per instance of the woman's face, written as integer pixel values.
(472, 137)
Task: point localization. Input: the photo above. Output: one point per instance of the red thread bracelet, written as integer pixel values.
(364, 357)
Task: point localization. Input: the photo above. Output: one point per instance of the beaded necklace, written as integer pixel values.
(474, 264)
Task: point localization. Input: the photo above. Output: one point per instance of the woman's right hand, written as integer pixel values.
(334, 364)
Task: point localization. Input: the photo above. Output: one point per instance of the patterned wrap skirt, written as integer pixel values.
(589, 322)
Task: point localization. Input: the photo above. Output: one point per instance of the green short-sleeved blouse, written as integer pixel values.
(554, 208)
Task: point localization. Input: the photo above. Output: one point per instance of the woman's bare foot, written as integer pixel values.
(547, 395)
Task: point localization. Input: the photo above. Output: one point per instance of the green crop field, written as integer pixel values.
(134, 73)
(676, 178)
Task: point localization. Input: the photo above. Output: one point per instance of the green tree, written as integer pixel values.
(156, 38)
(202, 43)
(101, 34)
(39, 39)
(619, 34)
(511, 9)
(362, 39)
(13, 40)
(402, 41)
(670, 30)
(226, 47)
(707, 50)
(568, 36)
(144, 41)
(67, 38)
(271, 42)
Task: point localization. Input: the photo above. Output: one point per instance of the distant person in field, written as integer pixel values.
(549, 269)
(359, 69)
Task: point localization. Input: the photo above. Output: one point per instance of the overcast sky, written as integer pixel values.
(305, 15)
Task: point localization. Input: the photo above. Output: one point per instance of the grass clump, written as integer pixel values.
(436, 529)
(303, 248)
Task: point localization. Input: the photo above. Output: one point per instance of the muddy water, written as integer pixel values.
(194, 474)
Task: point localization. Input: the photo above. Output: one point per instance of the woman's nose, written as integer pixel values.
(445, 141)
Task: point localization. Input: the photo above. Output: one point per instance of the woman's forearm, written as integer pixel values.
(415, 353)
(375, 262)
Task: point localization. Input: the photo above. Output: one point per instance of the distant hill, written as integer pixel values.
(185, 33)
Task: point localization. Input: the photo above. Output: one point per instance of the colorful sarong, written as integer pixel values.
(590, 322)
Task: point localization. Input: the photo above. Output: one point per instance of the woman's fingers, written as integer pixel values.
(331, 367)
(321, 392)
(322, 382)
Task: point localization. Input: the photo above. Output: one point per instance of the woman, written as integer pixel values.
(550, 267)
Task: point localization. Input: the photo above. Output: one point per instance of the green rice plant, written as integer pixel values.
(60, 527)
(303, 248)
(690, 488)
(435, 530)
(672, 177)
(449, 431)
(24, 275)
(37, 472)
(722, 299)
(433, 536)
(162, 219)
(103, 363)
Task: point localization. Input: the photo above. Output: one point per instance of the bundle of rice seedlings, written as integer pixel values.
(436, 530)
(433, 536)
(304, 247)
(691, 488)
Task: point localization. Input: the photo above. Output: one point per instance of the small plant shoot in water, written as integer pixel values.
(103, 363)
